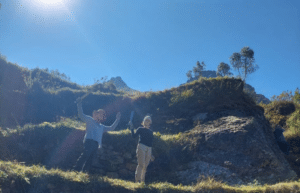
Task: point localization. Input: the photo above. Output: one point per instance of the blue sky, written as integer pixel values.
(151, 44)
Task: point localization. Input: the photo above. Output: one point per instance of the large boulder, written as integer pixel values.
(236, 149)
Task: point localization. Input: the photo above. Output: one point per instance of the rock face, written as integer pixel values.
(121, 85)
(114, 163)
(259, 97)
(282, 143)
(231, 146)
(236, 149)
(200, 169)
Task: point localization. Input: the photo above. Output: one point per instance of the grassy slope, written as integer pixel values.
(22, 178)
(280, 112)
(189, 98)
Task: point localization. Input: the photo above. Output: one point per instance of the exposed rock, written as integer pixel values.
(282, 143)
(121, 85)
(199, 169)
(131, 166)
(262, 98)
(117, 160)
(258, 97)
(244, 145)
(200, 117)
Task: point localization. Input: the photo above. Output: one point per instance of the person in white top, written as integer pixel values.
(93, 136)
(144, 148)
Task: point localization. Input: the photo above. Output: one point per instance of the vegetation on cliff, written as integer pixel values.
(39, 122)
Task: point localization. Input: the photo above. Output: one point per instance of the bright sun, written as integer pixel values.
(48, 7)
(49, 2)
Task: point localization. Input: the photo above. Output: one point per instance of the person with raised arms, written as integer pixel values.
(93, 136)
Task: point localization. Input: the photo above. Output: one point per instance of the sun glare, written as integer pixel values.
(50, 2)
(49, 8)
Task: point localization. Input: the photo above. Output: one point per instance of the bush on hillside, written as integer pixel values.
(278, 111)
(284, 110)
(292, 135)
(293, 123)
(50, 80)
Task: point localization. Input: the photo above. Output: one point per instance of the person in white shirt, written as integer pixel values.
(144, 148)
(93, 136)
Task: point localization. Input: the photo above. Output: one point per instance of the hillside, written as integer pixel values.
(207, 131)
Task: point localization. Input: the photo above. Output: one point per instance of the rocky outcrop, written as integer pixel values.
(121, 85)
(236, 149)
(248, 88)
(231, 146)
(258, 97)
(115, 163)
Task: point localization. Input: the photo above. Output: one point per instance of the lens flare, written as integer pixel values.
(50, 2)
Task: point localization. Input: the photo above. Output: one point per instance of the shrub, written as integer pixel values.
(293, 124)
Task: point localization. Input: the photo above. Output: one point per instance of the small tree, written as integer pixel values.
(189, 74)
(223, 69)
(197, 70)
(244, 61)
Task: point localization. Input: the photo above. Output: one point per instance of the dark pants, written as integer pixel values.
(85, 160)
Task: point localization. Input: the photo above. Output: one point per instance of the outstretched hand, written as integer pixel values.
(118, 116)
(130, 125)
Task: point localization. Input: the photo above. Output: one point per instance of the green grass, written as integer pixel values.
(293, 123)
(28, 176)
(224, 93)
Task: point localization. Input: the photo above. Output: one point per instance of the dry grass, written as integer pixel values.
(78, 182)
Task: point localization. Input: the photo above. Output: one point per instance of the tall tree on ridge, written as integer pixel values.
(244, 61)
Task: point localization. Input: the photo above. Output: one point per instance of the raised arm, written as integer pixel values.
(134, 135)
(82, 116)
(114, 125)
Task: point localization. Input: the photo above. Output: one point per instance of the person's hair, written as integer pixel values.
(145, 118)
(98, 111)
